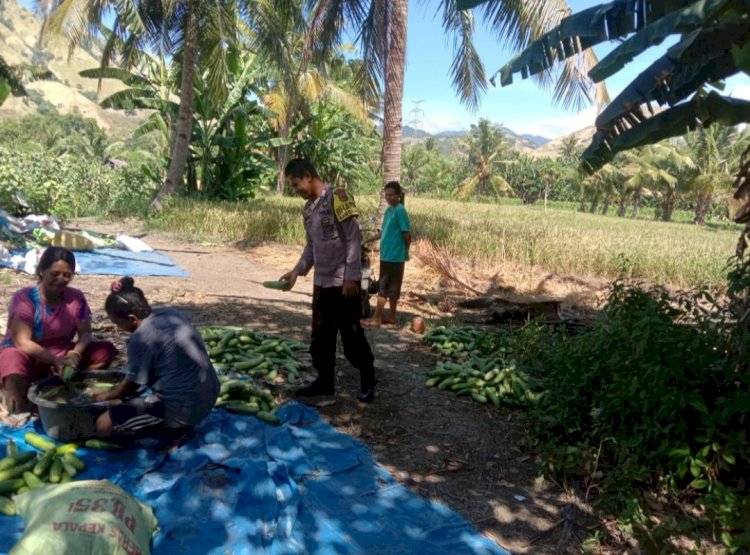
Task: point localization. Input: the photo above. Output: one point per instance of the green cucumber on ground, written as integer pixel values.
(55, 471)
(32, 481)
(101, 444)
(268, 418)
(45, 461)
(69, 469)
(241, 407)
(9, 486)
(7, 507)
(17, 471)
(41, 443)
(11, 450)
(10, 462)
(74, 461)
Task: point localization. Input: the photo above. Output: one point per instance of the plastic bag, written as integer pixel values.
(84, 518)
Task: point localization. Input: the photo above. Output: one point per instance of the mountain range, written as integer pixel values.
(68, 92)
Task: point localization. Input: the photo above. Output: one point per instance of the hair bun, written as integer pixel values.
(127, 282)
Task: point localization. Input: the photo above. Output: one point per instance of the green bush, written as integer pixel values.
(652, 397)
(71, 186)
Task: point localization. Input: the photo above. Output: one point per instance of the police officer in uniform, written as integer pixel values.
(333, 248)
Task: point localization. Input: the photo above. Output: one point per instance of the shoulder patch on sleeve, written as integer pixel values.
(344, 206)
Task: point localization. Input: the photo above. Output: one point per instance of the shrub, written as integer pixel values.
(654, 396)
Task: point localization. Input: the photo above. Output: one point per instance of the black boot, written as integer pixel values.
(367, 392)
(315, 391)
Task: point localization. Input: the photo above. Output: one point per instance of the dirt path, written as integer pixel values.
(446, 448)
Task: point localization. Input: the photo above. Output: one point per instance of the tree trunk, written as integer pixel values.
(702, 205)
(636, 203)
(668, 207)
(185, 123)
(605, 207)
(594, 204)
(282, 156)
(393, 98)
(582, 203)
(622, 206)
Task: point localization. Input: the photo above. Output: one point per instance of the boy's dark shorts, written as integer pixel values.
(138, 414)
(390, 279)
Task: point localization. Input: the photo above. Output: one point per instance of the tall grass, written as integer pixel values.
(561, 241)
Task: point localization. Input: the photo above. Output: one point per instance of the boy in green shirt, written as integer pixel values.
(395, 239)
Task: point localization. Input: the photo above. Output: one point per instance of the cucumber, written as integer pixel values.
(7, 507)
(65, 478)
(10, 462)
(74, 461)
(241, 407)
(67, 448)
(43, 464)
(67, 373)
(478, 397)
(231, 387)
(11, 450)
(16, 471)
(268, 418)
(101, 444)
(493, 396)
(280, 284)
(9, 486)
(69, 469)
(55, 471)
(32, 481)
(249, 364)
(35, 440)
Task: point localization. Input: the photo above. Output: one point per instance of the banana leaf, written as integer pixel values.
(114, 73)
(584, 29)
(700, 110)
(701, 57)
(681, 21)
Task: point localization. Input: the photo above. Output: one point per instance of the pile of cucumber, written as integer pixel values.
(236, 350)
(22, 471)
(244, 397)
(478, 366)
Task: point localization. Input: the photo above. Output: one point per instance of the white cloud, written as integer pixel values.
(553, 127)
(436, 124)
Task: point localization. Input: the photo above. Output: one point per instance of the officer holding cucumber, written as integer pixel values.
(333, 248)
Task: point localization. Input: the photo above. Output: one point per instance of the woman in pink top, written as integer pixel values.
(49, 327)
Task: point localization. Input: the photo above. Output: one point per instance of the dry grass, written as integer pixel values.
(563, 244)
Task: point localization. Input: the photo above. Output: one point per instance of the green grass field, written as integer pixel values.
(557, 240)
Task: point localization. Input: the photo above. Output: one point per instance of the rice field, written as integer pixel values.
(562, 241)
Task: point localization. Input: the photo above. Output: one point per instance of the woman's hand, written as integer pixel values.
(72, 358)
(58, 365)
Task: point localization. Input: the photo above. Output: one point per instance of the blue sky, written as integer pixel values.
(522, 107)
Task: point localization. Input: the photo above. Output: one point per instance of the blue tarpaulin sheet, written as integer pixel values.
(110, 261)
(242, 486)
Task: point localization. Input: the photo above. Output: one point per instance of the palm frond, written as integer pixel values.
(467, 69)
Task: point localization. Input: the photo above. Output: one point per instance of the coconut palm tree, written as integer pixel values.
(486, 147)
(167, 27)
(715, 152)
(382, 33)
(294, 76)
